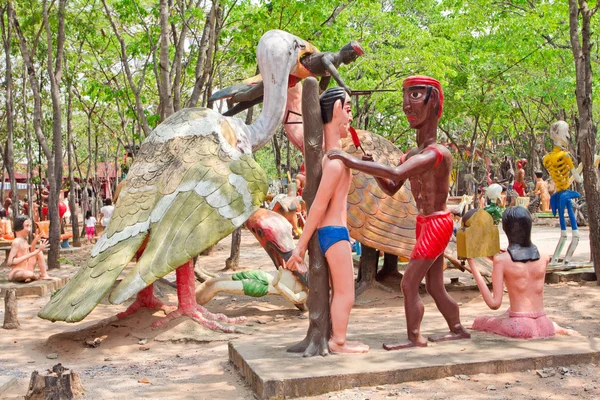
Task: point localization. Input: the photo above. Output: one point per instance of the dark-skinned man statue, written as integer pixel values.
(428, 168)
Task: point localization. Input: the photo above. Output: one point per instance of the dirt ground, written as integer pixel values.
(184, 361)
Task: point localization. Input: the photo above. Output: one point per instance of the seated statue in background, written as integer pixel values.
(523, 270)
(24, 257)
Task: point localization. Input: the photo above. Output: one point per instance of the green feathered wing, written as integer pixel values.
(183, 194)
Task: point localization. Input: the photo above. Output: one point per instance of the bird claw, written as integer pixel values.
(146, 299)
(204, 317)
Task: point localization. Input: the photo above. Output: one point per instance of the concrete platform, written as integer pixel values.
(273, 373)
(571, 275)
(37, 288)
(6, 382)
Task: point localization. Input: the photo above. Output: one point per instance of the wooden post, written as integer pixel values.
(319, 328)
(11, 320)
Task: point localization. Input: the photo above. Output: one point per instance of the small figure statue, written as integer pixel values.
(428, 167)
(523, 271)
(328, 216)
(541, 189)
(507, 172)
(519, 185)
(311, 62)
(478, 236)
(494, 195)
(561, 168)
(289, 207)
(301, 180)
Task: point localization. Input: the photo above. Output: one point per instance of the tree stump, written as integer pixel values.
(59, 383)
(367, 271)
(209, 252)
(233, 261)
(11, 320)
(319, 328)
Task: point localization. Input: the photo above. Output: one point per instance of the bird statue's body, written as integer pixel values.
(193, 182)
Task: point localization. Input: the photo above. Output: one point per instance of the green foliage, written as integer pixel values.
(506, 67)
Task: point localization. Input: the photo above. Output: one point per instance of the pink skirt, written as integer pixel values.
(519, 325)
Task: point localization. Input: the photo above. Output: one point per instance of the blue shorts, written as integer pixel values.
(559, 201)
(330, 235)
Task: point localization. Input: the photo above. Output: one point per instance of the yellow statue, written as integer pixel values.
(562, 170)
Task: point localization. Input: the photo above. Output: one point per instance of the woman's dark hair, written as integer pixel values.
(539, 174)
(88, 214)
(108, 202)
(516, 223)
(20, 222)
(327, 101)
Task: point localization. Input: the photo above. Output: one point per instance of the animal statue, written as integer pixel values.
(375, 219)
(273, 232)
(289, 207)
(311, 62)
(192, 184)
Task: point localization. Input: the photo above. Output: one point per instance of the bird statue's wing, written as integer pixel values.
(187, 189)
(375, 219)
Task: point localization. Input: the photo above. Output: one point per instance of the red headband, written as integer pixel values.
(425, 80)
(356, 47)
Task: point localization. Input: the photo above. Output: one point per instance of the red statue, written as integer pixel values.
(520, 185)
(428, 168)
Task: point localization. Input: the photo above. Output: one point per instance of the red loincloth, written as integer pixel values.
(433, 234)
(519, 325)
(517, 187)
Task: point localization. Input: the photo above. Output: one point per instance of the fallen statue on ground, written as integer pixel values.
(274, 233)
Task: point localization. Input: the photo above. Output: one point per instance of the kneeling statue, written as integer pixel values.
(523, 270)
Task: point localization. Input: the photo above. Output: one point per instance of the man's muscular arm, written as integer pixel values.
(327, 61)
(415, 165)
(388, 186)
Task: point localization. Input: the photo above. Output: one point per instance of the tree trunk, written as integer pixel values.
(233, 261)
(9, 161)
(166, 100)
(55, 175)
(209, 26)
(367, 269)
(31, 207)
(58, 383)
(37, 118)
(277, 155)
(319, 329)
(586, 138)
(143, 121)
(389, 272)
(72, 194)
(11, 319)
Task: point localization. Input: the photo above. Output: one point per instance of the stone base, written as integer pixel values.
(37, 288)
(272, 373)
(576, 275)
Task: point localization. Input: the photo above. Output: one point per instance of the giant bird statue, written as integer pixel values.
(192, 184)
